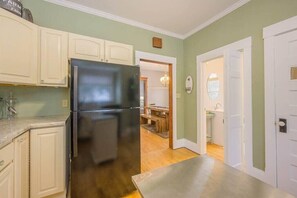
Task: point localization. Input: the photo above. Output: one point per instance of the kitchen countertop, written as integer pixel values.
(203, 177)
(10, 129)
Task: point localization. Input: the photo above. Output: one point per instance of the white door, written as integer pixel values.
(233, 117)
(286, 109)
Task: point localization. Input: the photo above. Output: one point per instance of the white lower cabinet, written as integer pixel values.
(21, 166)
(6, 182)
(47, 162)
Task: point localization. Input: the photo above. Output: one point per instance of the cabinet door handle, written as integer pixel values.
(1, 162)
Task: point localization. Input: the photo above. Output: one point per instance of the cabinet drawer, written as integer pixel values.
(6, 156)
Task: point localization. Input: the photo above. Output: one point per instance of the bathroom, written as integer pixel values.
(214, 107)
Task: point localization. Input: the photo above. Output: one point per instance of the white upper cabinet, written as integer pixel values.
(21, 166)
(118, 53)
(18, 49)
(87, 48)
(53, 57)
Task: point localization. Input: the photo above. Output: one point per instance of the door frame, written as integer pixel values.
(269, 35)
(171, 61)
(244, 46)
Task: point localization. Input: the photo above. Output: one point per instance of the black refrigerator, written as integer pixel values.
(105, 129)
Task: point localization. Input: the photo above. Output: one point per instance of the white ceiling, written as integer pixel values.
(178, 18)
(153, 66)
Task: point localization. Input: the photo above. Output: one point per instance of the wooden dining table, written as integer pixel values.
(159, 115)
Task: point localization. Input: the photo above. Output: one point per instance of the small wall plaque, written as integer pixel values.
(157, 42)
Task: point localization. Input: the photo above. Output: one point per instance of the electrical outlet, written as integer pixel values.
(64, 103)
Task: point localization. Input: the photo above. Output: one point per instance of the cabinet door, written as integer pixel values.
(118, 53)
(47, 161)
(6, 182)
(86, 48)
(21, 166)
(54, 58)
(18, 50)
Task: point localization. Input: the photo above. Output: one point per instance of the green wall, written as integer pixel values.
(61, 18)
(246, 21)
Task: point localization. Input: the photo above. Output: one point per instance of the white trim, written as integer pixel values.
(184, 143)
(280, 28)
(191, 145)
(269, 35)
(96, 12)
(245, 46)
(217, 17)
(164, 59)
(88, 10)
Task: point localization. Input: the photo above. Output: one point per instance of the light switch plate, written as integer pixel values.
(177, 95)
(64, 103)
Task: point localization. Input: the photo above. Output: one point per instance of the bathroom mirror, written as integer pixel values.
(213, 86)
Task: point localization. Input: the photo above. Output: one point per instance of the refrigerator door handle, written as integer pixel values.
(74, 135)
(75, 92)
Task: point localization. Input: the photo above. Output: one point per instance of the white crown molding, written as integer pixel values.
(217, 17)
(106, 15)
(85, 9)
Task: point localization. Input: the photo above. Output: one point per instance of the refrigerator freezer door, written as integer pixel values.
(97, 86)
(108, 153)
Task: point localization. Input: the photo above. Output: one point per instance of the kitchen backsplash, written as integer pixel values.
(37, 101)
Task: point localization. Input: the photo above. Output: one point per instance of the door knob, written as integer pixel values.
(282, 125)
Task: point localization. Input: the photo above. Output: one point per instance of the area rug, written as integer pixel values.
(152, 128)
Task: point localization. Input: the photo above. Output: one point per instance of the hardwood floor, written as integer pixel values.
(155, 153)
(215, 151)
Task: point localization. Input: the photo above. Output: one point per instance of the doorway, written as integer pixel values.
(171, 62)
(213, 80)
(154, 98)
(234, 108)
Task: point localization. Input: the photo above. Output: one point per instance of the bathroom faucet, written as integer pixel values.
(217, 106)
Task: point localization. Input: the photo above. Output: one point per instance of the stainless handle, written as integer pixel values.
(1, 162)
(74, 134)
(75, 92)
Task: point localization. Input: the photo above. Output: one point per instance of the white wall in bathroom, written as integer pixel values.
(157, 93)
(218, 128)
(214, 66)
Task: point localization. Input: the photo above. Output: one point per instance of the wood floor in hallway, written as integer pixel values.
(155, 153)
(215, 151)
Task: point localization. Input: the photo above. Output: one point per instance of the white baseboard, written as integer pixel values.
(257, 173)
(180, 143)
(184, 143)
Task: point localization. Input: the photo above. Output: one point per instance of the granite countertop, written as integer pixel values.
(10, 129)
(203, 177)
